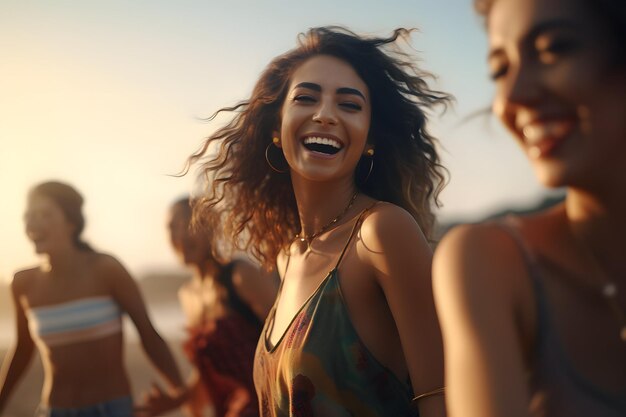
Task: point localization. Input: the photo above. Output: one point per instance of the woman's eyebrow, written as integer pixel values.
(341, 90)
(310, 86)
(537, 30)
(348, 90)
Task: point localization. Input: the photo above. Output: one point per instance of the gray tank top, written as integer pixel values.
(556, 388)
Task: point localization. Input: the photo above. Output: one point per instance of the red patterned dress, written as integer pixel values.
(222, 350)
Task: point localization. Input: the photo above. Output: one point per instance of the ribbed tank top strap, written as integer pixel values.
(352, 233)
(551, 355)
(510, 225)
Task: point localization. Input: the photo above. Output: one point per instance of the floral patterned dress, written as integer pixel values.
(320, 367)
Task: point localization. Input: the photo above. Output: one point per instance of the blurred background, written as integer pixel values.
(109, 96)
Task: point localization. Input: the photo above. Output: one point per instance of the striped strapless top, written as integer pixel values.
(75, 321)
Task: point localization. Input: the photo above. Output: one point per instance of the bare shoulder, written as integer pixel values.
(387, 214)
(23, 279)
(393, 248)
(106, 263)
(473, 261)
(388, 226)
(479, 247)
(109, 269)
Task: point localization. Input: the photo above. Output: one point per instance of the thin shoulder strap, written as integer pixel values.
(352, 233)
(509, 225)
(547, 337)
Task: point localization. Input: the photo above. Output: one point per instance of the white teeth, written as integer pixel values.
(322, 141)
(536, 132)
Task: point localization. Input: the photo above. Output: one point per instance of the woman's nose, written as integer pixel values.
(521, 87)
(325, 114)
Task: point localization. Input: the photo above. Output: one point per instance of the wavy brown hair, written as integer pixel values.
(255, 206)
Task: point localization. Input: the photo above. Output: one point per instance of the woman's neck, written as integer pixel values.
(320, 203)
(599, 223)
(60, 261)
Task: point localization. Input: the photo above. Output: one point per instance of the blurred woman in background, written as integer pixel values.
(225, 304)
(71, 308)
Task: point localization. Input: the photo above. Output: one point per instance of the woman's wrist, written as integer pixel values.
(180, 394)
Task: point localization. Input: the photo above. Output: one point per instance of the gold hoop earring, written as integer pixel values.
(267, 159)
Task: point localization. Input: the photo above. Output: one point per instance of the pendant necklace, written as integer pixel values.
(609, 291)
(309, 239)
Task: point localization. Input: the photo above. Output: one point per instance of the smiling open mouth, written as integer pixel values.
(322, 145)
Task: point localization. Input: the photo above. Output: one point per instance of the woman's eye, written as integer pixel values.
(497, 72)
(304, 98)
(498, 64)
(351, 105)
(549, 49)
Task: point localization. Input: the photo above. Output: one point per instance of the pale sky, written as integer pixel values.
(108, 96)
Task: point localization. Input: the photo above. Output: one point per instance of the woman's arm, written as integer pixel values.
(401, 259)
(198, 399)
(127, 294)
(479, 275)
(18, 358)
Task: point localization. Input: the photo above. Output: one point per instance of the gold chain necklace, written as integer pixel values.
(309, 239)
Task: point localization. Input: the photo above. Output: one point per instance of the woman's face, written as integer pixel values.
(558, 90)
(47, 226)
(325, 120)
(192, 248)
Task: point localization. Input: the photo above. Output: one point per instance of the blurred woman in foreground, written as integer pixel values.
(533, 308)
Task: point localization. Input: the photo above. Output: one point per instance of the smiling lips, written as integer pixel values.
(322, 144)
(542, 137)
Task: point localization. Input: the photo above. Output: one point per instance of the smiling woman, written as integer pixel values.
(332, 145)
(70, 308)
(349, 184)
(533, 308)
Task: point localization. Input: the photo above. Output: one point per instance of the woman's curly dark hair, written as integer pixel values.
(255, 206)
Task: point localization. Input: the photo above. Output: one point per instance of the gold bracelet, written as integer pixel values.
(428, 394)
